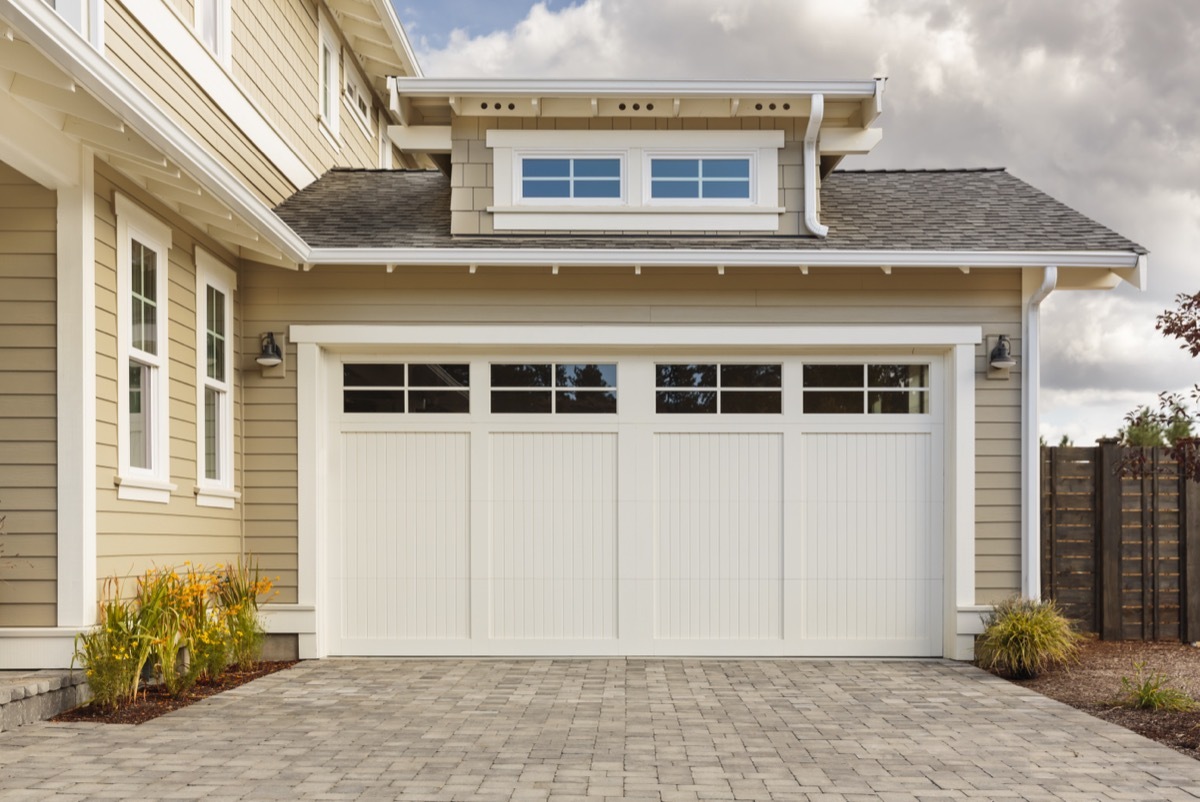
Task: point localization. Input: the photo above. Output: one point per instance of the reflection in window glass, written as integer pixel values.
(684, 402)
(912, 402)
(744, 402)
(583, 403)
(582, 388)
(687, 375)
(751, 375)
(439, 375)
(381, 388)
(833, 375)
(439, 401)
(832, 403)
(734, 389)
(897, 375)
(585, 375)
(521, 375)
(521, 401)
(373, 375)
(895, 389)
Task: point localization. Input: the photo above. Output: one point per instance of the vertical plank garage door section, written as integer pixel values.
(871, 579)
(403, 571)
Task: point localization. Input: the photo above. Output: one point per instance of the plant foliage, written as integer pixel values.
(1152, 691)
(1023, 637)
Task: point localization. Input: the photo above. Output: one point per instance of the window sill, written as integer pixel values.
(155, 491)
(635, 218)
(219, 497)
(567, 208)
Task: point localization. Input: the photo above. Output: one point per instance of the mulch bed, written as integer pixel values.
(1094, 686)
(154, 701)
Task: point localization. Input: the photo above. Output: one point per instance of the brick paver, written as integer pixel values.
(590, 730)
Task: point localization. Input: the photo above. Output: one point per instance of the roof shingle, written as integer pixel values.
(950, 210)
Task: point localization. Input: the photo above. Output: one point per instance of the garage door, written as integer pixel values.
(616, 504)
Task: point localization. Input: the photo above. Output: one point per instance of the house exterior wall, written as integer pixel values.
(28, 422)
(472, 177)
(274, 65)
(274, 299)
(135, 535)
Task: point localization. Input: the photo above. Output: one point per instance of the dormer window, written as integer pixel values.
(700, 179)
(584, 178)
(636, 180)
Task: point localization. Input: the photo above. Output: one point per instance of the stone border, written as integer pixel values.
(28, 697)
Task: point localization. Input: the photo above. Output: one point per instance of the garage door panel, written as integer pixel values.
(553, 535)
(871, 567)
(399, 583)
(718, 535)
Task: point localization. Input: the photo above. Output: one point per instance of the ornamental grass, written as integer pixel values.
(1022, 638)
(179, 627)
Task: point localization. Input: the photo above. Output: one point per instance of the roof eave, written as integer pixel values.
(568, 87)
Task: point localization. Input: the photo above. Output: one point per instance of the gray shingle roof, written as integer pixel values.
(977, 210)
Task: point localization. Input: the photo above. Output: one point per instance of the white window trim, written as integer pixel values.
(224, 45)
(329, 87)
(86, 17)
(140, 484)
(519, 157)
(350, 99)
(384, 141)
(636, 210)
(212, 273)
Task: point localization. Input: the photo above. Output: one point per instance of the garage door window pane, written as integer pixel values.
(914, 402)
(439, 401)
(373, 401)
(742, 402)
(897, 375)
(833, 375)
(687, 375)
(589, 375)
(586, 402)
(383, 375)
(521, 401)
(833, 403)
(521, 376)
(751, 376)
(683, 402)
(439, 375)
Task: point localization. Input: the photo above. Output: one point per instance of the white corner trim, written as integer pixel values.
(812, 159)
(311, 479)
(51, 34)
(75, 346)
(182, 43)
(637, 335)
(37, 647)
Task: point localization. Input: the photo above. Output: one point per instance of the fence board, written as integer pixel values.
(1119, 548)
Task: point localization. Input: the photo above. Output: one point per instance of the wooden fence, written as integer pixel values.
(1121, 542)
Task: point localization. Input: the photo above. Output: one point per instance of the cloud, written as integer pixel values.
(1092, 102)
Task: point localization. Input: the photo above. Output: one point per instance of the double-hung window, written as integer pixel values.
(213, 27)
(143, 244)
(329, 55)
(215, 284)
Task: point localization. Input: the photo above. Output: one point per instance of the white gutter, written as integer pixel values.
(811, 159)
(684, 257)
(56, 39)
(1031, 518)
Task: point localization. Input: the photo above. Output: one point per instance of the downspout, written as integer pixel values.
(1031, 518)
(811, 167)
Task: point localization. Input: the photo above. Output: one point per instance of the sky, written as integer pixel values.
(1096, 102)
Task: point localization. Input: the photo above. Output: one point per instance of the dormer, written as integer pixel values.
(561, 156)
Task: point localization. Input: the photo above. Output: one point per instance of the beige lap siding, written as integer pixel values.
(135, 535)
(274, 299)
(133, 51)
(28, 418)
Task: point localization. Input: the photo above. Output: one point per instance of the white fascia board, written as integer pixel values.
(50, 34)
(678, 257)
(421, 138)
(636, 336)
(395, 31)
(550, 87)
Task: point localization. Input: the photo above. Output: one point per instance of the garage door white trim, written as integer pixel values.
(318, 356)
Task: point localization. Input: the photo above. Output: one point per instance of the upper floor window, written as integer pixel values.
(85, 16)
(706, 179)
(213, 27)
(215, 284)
(329, 55)
(143, 244)
(570, 178)
(635, 180)
(359, 100)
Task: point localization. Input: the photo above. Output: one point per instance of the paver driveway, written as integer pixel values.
(620, 729)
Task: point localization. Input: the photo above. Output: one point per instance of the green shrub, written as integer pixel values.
(1152, 692)
(114, 653)
(1023, 637)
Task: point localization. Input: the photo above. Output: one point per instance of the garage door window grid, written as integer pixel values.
(554, 388)
(412, 388)
(872, 389)
(709, 389)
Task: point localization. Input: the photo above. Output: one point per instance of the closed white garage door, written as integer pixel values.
(629, 504)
